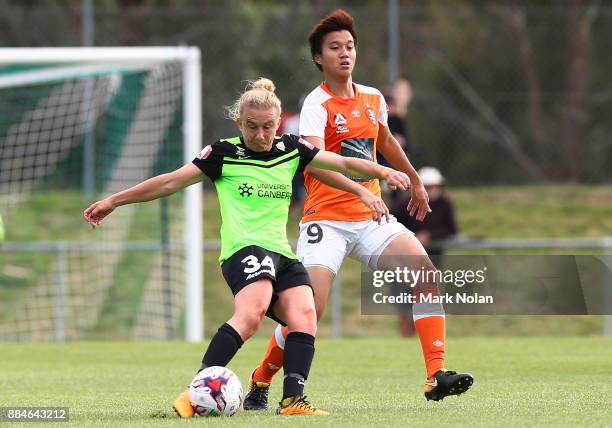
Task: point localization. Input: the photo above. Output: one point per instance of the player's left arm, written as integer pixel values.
(388, 146)
(359, 167)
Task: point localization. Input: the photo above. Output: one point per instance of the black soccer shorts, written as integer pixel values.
(252, 263)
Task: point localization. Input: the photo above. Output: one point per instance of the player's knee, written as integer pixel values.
(310, 314)
(302, 318)
(428, 285)
(250, 321)
(308, 320)
(431, 275)
(249, 327)
(428, 265)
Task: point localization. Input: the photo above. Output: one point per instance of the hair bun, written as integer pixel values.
(263, 83)
(258, 94)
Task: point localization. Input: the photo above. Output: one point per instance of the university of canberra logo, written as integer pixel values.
(245, 189)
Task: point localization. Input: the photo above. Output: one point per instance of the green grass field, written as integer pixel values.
(535, 381)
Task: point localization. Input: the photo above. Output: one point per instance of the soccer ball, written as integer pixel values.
(215, 391)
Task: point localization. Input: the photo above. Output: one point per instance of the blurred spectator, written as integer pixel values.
(397, 125)
(438, 224)
(402, 93)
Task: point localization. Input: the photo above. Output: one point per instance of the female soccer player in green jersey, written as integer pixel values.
(253, 174)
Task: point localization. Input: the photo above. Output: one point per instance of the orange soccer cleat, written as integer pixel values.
(182, 405)
(297, 405)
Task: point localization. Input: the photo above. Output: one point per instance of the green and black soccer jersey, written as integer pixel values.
(254, 190)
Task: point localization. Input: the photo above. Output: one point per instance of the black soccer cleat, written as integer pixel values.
(447, 382)
(257, 397)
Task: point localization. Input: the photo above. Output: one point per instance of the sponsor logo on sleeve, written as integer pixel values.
(206, 151)
(306, 143)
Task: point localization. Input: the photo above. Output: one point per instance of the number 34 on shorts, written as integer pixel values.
(253, 265)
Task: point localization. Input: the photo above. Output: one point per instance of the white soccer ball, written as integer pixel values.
(215, 391)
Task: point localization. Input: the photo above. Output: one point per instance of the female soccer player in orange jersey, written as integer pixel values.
(351, 119)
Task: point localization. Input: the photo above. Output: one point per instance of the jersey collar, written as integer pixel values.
(254, 154)
(326, 89)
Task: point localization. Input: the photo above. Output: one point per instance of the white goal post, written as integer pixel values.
(92, 61)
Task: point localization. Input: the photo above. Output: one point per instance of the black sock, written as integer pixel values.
(222, 348)
(299, 351)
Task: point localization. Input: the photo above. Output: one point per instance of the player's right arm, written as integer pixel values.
(148, 190)
(350, 166)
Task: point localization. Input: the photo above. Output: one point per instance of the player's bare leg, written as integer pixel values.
(322, 282)
(259, 382)
(429, 319)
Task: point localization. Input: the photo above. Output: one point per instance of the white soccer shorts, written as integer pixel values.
(326, 243)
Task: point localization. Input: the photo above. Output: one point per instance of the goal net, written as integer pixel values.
(76, 125)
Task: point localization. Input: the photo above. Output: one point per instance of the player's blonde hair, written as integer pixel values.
(258, 94)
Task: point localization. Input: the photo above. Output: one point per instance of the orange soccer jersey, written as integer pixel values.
(349, 127)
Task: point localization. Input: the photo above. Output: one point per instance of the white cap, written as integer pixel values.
(431, 176)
